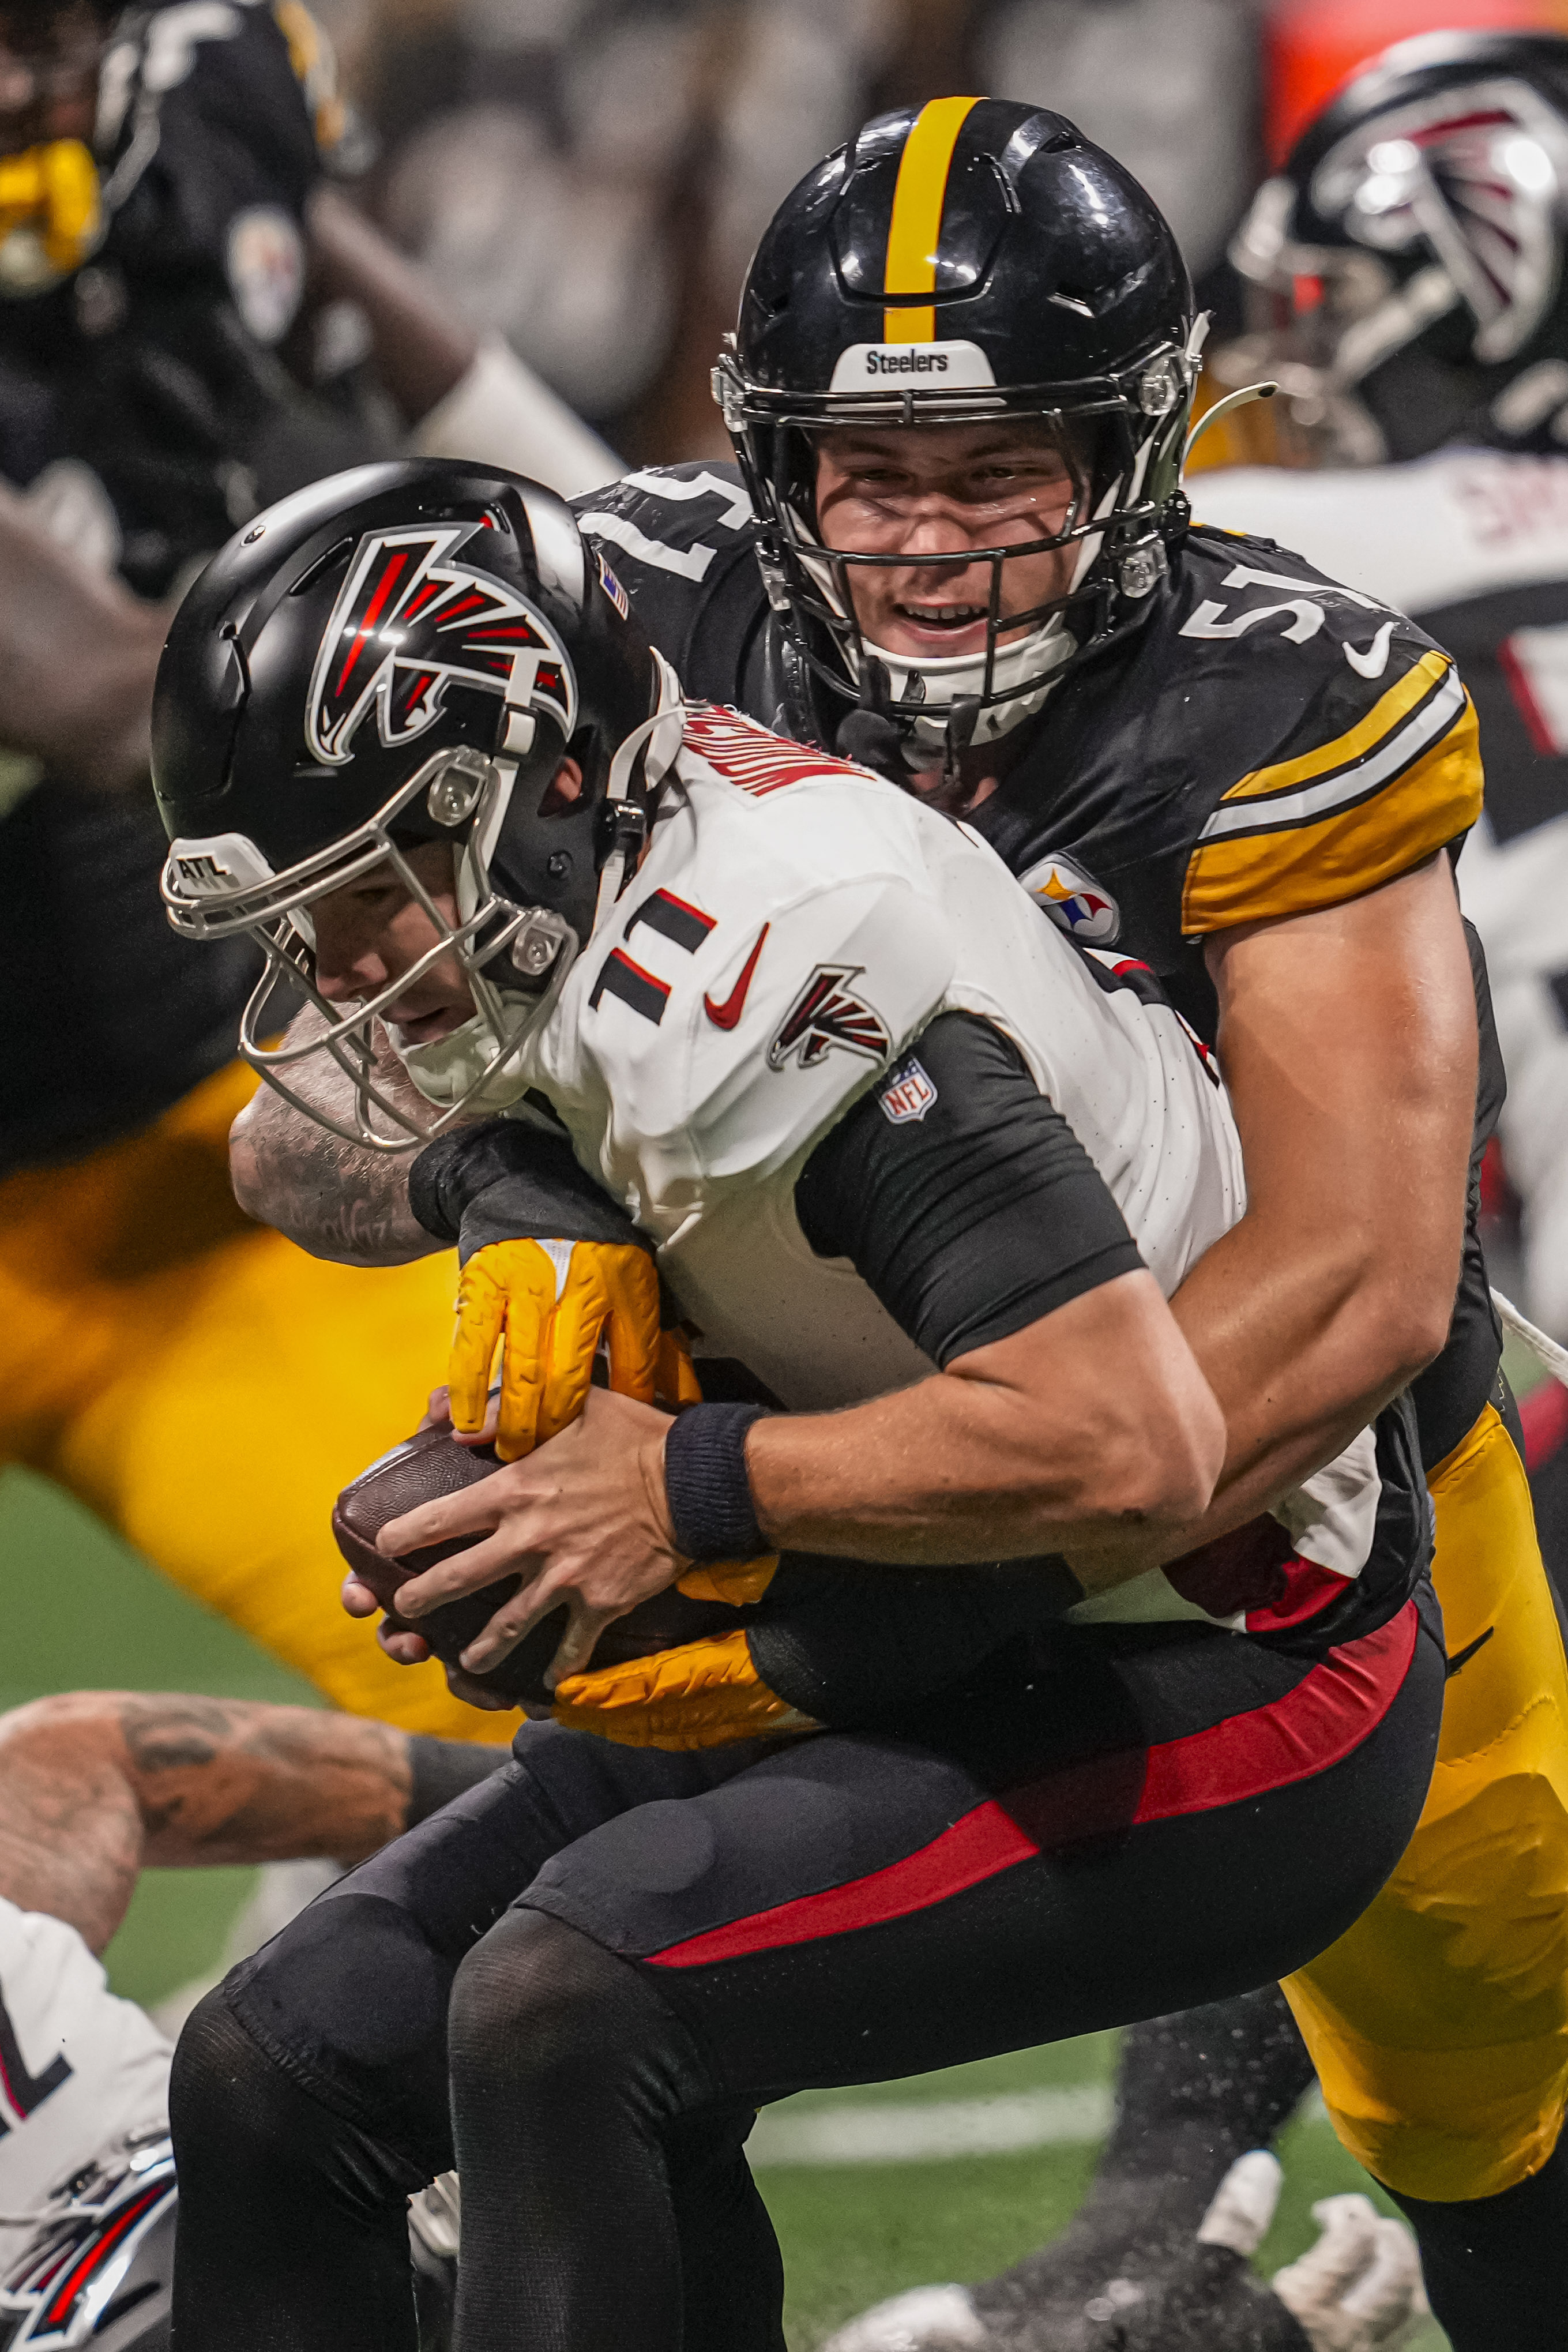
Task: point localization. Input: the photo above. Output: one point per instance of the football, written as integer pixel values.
(431, 1464)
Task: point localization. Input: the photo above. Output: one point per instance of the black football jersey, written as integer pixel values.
(1259, 742)
(145, 391)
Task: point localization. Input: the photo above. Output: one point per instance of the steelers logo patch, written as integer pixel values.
(266, 271)
(1074, 899)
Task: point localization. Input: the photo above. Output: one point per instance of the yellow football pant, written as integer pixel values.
(1439, 2022)
(208, 1389)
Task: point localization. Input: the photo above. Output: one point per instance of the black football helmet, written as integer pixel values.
(397, 656)
(1408, 260)
(971, 259)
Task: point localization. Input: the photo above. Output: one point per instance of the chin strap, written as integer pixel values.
(869, 734)
(638, 768)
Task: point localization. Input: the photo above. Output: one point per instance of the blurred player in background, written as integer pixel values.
(1408, 264)
(192, 320)
(94, 1786)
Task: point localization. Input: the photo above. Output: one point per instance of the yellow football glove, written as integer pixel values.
(676, 1381)
(548, 1324)
(704, 1694)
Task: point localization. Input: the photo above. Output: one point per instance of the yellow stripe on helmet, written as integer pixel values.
(916, 228)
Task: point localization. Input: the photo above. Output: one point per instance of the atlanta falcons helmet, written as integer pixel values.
(1407, 261)
(98, 2268)
(400, 656)
(975, 259)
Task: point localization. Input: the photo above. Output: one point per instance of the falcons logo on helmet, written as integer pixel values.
(826, 1014)
(408, 624)
(1481, 173)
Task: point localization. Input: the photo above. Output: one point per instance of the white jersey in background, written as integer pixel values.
(1474, 545)
(79, 2067)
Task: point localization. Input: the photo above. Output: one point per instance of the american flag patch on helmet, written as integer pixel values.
(613, 588)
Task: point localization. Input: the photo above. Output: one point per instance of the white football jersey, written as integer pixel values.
(1474, 542)
(79, 2067)
(795, 925)
(1431, 532)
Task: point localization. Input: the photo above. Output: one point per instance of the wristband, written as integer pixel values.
(706, 1486)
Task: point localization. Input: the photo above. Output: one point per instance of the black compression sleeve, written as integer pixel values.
(970, 1216)
(442, 1769)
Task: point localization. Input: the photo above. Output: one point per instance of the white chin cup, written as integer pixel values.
(1030, 664)
(448, 1070)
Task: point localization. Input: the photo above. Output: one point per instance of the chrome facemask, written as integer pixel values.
(947, 703)
(221, 886)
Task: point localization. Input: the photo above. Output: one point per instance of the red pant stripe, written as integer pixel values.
(1330, 1710)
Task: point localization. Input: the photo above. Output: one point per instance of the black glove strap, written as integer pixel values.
(709, 1493)
(507, 1181)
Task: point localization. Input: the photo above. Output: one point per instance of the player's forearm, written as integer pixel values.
(71, 1832)
(230, 1780)
(421, 351)
(1349, 1045)
(338, 1200)
(95, 1784)
(77, 658)
(1030, 1445)
(1301, 1352)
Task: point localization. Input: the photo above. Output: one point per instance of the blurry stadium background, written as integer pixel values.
(588, 177)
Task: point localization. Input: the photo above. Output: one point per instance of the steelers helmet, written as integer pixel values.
(973, 259)
(1407, 262)
(397, 656)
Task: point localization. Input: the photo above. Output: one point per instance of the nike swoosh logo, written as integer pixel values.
(1375, 660)
(726, 1015)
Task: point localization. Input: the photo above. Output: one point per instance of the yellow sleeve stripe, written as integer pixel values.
(1326, 759)
(315, 69)
(915, 230)
(1256, 806)
(1321, 856)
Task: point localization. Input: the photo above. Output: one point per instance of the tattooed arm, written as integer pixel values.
(95, 1784)
(337, 1199)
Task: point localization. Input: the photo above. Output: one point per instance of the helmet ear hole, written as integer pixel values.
(564, 789)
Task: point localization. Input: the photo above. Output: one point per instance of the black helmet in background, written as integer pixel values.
(398, 655)
(1407, 261)
(976, 258)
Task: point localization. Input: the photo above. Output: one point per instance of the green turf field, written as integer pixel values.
(83, 1612)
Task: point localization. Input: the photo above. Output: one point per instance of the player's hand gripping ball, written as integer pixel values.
(673, 1672)
(546, 1307)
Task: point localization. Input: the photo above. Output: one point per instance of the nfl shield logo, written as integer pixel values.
(908, 1094)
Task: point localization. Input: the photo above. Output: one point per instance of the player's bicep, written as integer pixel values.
(961, 1195)
(1348, 1040)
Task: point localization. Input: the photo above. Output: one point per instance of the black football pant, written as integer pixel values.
(579, 1980)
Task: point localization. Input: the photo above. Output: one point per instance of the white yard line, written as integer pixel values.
(928, 2131)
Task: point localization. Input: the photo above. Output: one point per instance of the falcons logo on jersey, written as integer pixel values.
(408, 624)
(824, 1016)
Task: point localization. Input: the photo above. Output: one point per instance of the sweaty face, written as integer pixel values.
(48, 74)
(945, 490)
(374, 930)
